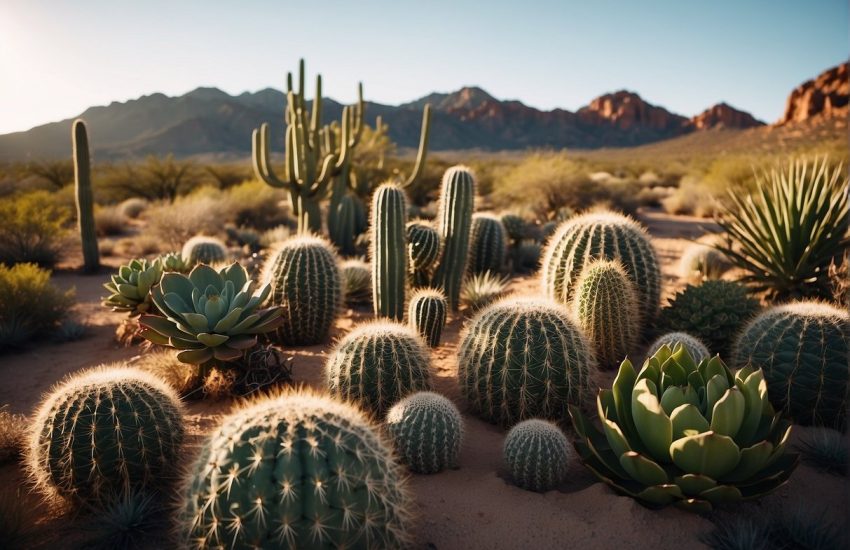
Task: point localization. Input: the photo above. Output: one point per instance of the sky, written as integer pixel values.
(59, 57)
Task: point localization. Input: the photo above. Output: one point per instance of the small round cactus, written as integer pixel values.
(357, 281)
(514, 226)
(204, 250)
(695, 347)
(804, 350)
(524, 357)
(423, 250)
(538, 455)
(427, 314)
(295, 471)
(377, 364)
(104, 433)
(488, 246)
(304, 275)
(427, 430)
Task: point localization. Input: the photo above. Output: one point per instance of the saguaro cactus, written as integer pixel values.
(457, 195)
(389, 251)
(488, 245)
(85, 201)
(427, 314)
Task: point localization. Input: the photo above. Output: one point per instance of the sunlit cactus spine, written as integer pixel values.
(423, 250)
(84, 199)
(201, 249)
(606, 307)
(427, 314)
(297, 470)
(427, 431)
(454, 223)
(694, 345)
(389, 251)
(104, 433)
(377, 364)
(524, 357)
(488, 244)
(538, 455)
(305, 279)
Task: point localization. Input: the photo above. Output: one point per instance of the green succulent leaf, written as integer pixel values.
(708, 454)
(722, 494)
(661, 495)
(203, 276)
(714, 390)
(652, 424)
(643, 469)
(621, 390)
(176, 283)
(212, 340)
(694, 484)
(728, 413)
(687, 420)
(195, 357)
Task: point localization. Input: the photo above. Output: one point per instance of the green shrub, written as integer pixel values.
(30, 306)
(31, 229)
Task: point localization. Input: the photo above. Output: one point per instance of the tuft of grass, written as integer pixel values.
(133, 521)
(739, 533)
(12, 533)
(482, 289)
(826, 450)
(163, 363)
(71, 330)
(809, 529)
(13, 429)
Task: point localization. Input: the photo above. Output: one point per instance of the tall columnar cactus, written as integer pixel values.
(295, 471)
(104, 433)
(804, 350)
(377, 364)
(488, 244)
(695, 347)
(83, 194)
(538, 455)
(609, 236)
(457, 195)
(201, 249)
(305, 279)
(423, 250)
(389, 251)
(427, 431)
(524, 357)
(427, 314)
(606, 307)
(343, 230)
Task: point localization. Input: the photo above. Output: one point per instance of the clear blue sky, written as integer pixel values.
(59, 57)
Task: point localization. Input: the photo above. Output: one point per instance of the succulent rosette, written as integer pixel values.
(130, 287)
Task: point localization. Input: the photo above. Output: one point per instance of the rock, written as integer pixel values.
(724, 115)
(826, 96)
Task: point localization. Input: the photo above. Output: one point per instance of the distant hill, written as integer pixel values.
(208, 121)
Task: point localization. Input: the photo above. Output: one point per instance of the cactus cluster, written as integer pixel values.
(130, 287)
(524, 357)
(695, 347)
(457, 195)
(423, 251)
(295, 471)
(104, 433)
(427, 314)
(389, 251)
(304, 276)
(488, 244)
(537, 454)
(427, 431)
(804, 350)
(377, 364)
(84, 198)
(201, 249)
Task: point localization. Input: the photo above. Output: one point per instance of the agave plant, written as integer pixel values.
(680, 433)
(787, 233)
(130, 287)
(481, 289)
(211, 316)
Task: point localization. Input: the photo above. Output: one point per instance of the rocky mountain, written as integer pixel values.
(724, 115)
(826, 96)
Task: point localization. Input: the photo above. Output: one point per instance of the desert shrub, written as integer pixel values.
(255, 204)
(106, 247)
(177, 222)
(110, 221)
(482, 289)
(31, 229)
(691, 199)
(30, 305)
(133, 207)
(13, 429)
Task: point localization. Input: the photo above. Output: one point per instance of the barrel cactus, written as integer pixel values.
(678, 432)
(389, 251)
(427, 431)
(606, 308)
(423, 250)
(538, 455)
(104, 433)
(304, 276)
(515, 227)
(605, 235)
(713, 311)
(524, 357)
(377, 364)
(130, 288)
(804, 350)
(695, 347)
(204, 250)
(356, 281)
(488, 244)
(295, 471)
(457, 195)
(427, 314)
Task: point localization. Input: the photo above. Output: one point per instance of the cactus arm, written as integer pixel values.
(423, 147)
(260, 152)
(316, 119)
(84, 199)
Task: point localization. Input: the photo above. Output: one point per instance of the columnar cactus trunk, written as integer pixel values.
(389, 251)
(343, 230)
(85, 201)
(427, 314)
(457, 195)
(488, 246)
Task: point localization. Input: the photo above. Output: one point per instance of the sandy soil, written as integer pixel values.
(474, 506)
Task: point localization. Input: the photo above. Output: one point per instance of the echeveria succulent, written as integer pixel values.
(130, 287)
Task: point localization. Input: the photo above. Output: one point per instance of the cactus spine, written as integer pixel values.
(606, 308)
(457, 195)
(488, 245)
(423, 251)
(427, 431)
(103, 433)
(377, 364)
(85, 201)
(204, 250)
(695, 347)
(389, 251)
(524, 357)
(306, 282)
(538, 455)
(295, 471)
(427, 314)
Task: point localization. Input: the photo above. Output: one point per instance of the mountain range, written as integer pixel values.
(209, 121)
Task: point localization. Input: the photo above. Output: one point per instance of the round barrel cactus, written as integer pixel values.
(427, 314)
(606, 307)
(423, 250)
(524, 357)
(304, 276)
(804, 350)
(427, 431)
(488, 244)
(515, 226)
(605, 235)
(695, 347)
(295, 471)
(204, 250)
(357, 281)
(377, 364)
(538, 455)
(104, 433)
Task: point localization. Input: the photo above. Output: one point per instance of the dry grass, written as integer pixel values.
(110, 221)
(164, 364)
(13, 429)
